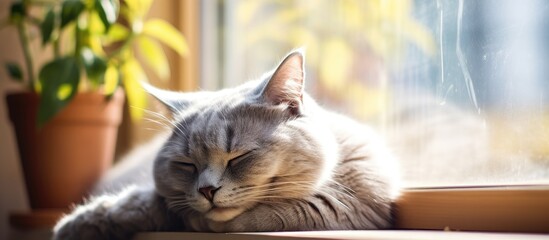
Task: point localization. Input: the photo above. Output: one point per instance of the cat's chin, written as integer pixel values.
(223, 214)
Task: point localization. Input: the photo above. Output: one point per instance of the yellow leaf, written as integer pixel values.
(246, 10)
(167, 34)
(116, 33)
(354, 15)
(94, 42)
(138, 8)
(95, 25)
(154, 56)
(38, 87)
(288, 16)
(335, 64)
(132, 75)
(111, 80)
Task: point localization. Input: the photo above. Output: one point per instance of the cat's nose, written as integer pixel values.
(208, 192)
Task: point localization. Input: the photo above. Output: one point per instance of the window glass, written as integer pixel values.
(460, 89)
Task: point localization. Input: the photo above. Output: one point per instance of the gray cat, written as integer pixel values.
(259, 157)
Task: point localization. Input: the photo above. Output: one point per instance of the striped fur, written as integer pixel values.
(277, 160)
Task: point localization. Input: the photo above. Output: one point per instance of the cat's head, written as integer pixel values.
(234, 148)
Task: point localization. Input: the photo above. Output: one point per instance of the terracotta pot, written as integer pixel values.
(62, 160)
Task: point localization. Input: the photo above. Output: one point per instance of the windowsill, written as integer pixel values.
(480, 208)
(351, 235)
(500, 209)
(40, 234)
(421, 213)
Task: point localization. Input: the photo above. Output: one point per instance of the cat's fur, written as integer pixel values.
(267, 156)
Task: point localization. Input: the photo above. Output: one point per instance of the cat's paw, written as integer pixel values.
(89, 221)
(78, 230)
(80, 225)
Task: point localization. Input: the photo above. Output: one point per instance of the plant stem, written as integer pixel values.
(22, 30)
(77, 39)
(57, 39)
(56, 48)
(33, 20)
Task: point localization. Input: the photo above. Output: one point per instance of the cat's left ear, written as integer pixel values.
(175, 101)
(286, 84)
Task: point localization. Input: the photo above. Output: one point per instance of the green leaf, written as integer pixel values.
(17, 10)
(46, 27)
(108, 12)
(70, 10)
(132, 76)
(167, 34)
(15, 71)
(154, 56)
(95, 66)
(59, 80)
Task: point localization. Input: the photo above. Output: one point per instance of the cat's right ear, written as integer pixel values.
(175, 101)
(285, 86)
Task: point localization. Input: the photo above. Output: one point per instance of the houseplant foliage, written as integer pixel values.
(94, 45)
(75, 95)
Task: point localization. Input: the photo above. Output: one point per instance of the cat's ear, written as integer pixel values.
(286, 83)
(175, 101)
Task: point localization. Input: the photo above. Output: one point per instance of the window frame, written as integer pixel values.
(510, 208)
(503, 208)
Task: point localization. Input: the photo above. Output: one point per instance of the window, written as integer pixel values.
(459, 88)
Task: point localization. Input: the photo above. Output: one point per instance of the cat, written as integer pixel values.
(259, 157)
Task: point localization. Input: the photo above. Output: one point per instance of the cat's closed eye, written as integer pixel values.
(239, 158)
(186, 166)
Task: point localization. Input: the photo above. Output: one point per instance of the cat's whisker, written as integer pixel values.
(335, 199)
(295, 187)
(156, 118)
(309, 183)
(175, 205)
(161, 116)
(274, 184)
(180, 201)
(345, 188)
(166, 125)
(280, 190)
(160, 123)
(268, 192)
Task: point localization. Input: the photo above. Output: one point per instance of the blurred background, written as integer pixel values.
(459, 88)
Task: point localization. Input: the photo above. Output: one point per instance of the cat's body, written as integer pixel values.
(260, 157)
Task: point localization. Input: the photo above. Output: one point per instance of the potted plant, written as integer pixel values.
(66, 122)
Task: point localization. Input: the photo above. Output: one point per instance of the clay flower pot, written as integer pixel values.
(62, 160)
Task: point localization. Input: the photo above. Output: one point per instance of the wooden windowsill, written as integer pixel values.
(344, 235)
(479, 208)
(511, 209)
